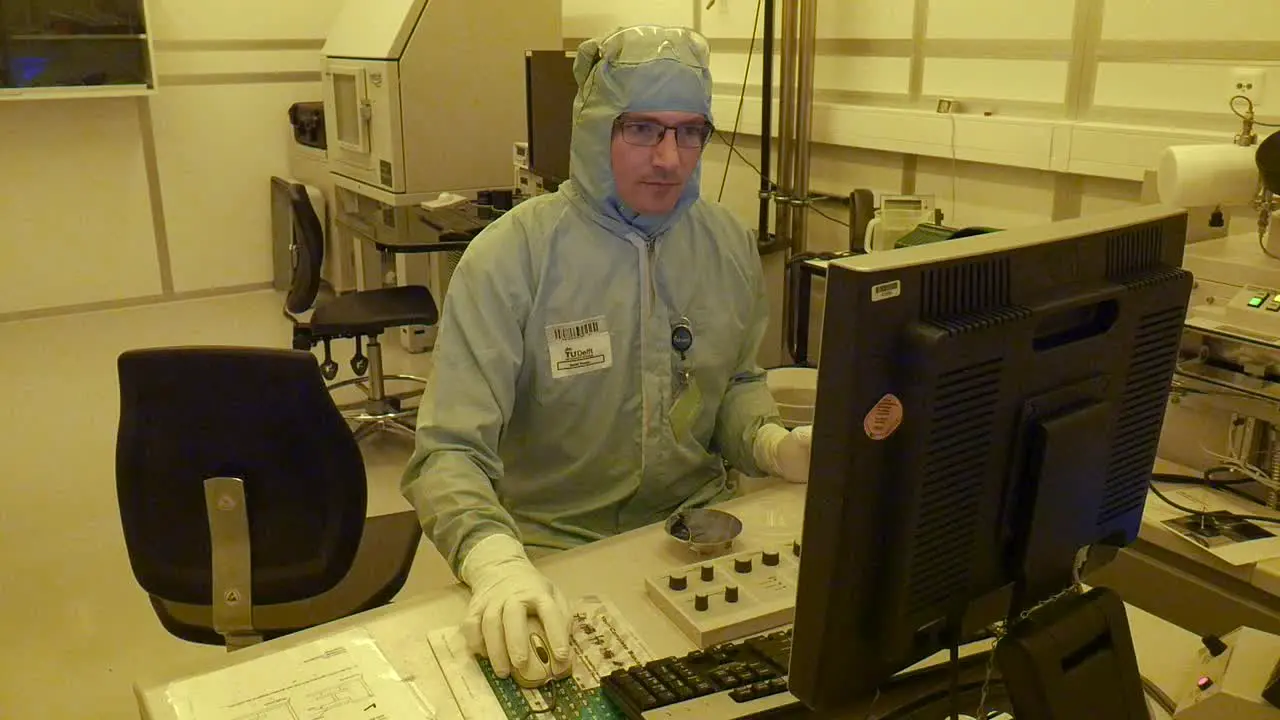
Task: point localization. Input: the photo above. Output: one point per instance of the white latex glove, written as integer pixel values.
(784, 454)
(505, 589)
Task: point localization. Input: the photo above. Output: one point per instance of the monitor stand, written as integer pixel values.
(1073, 658)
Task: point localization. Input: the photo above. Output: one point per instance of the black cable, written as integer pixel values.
(954, 690)
(733, 149)
(742, 96)
(837, 221)
(1224, 514)
(1232, 486)
(1201, 481)
(551, 705)
(1162, 699)
(1262, 245)
(1244, 117)
(926, 700)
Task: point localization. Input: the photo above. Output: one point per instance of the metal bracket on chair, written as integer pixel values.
(231, 555)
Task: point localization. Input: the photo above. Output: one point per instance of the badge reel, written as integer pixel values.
(687, 397)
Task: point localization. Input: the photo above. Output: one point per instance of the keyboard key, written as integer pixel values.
(745, 670)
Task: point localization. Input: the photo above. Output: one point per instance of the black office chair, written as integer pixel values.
(364, 316)
(242, 496)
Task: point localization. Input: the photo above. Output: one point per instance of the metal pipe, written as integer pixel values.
(766, 125)
(786, 123)
(804, 124)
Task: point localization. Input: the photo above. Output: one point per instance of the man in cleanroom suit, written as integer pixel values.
(595, 365)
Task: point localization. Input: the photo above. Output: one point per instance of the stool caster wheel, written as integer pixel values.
(329, 369)
(359, 363)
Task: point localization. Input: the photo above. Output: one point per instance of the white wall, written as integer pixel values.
(75, 216)
(1083, 95)
(76, 202)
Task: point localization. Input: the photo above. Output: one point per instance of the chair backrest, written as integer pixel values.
(262, 415)
(308, 238)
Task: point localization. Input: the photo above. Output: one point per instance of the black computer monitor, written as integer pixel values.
(986, 407)
(549, 92)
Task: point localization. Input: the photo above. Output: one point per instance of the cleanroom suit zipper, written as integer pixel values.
(645, 247)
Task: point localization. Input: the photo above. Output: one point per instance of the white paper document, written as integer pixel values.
(343, 677)
(1236, 541)
(470, 688)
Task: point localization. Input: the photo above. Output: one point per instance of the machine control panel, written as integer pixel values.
(1265, 300)
(1252, 314)
(730, 597)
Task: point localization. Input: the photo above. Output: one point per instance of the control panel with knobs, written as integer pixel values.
(730, 597)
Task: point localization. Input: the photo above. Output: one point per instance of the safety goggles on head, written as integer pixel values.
(647, 133)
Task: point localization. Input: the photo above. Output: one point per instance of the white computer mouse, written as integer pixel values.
(542, 666)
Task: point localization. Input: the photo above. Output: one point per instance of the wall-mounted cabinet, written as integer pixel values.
(74, 48)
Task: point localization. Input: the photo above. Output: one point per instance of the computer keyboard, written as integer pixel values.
(725, 681)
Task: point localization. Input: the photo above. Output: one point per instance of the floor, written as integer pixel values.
(77, 630)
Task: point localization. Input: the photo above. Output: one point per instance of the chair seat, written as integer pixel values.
(371, 311)
(381, 566)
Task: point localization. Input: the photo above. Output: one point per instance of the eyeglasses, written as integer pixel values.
(648, 134)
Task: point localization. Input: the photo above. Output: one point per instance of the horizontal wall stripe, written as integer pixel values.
(1186, 50)
(232, 45)
(238, 78)
(130, 302)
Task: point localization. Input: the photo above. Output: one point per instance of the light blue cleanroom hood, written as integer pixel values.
(639, 69)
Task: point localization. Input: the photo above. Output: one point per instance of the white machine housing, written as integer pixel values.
(425, 96)
(1230, 268)
(1231, 684)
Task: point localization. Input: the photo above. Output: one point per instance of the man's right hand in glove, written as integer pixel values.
(505, 589)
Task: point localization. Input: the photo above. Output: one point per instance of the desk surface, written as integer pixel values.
(613, 568)
(1264, 575)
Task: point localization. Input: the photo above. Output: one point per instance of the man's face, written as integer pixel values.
(650, 179)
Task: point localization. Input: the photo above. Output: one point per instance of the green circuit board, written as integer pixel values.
(564, 700)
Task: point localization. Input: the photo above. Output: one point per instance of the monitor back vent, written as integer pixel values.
(960, 436)
(965, 288)
(1133, 250)
(1137, 429)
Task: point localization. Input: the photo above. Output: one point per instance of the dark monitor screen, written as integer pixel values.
(986, 408)
(549, 92)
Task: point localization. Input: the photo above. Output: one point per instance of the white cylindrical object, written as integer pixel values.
(1207, 175)
(795, 391)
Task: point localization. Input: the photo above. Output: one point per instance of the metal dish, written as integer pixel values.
(704, 530)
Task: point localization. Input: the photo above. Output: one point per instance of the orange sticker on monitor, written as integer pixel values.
(884, 418)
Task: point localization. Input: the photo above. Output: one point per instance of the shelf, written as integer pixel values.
(75, 91)
(71, 38)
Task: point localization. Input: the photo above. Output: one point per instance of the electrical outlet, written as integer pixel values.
(1250, 82)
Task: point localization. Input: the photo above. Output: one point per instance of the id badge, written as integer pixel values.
(687, 406)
